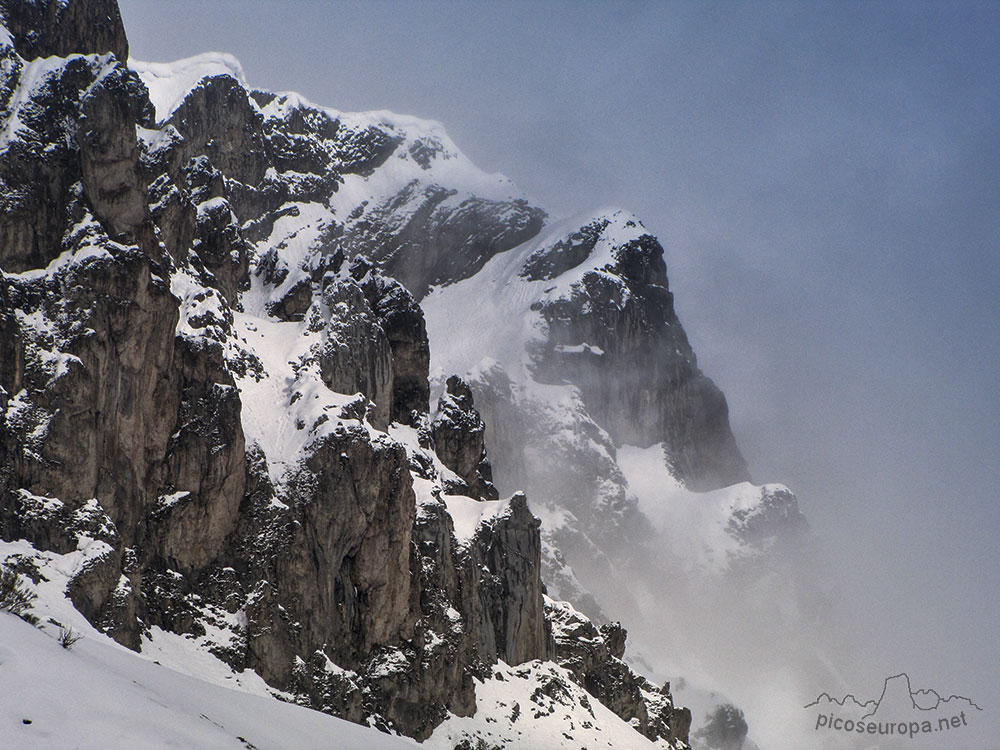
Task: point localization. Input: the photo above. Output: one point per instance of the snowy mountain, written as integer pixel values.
(267, 370)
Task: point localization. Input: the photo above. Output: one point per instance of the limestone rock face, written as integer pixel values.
(350, 594)
(11, 347)
(355, 355)
(594, 657)
(507, 552)
(359, 513)
(74, 153)
(109, 158)
(110, 403)
(46, 28)
(205, 464)
(449, 606)
(645, 386)
(215, 383)
(220, 243)
(422, 237)
(96, 410)
(402, 322)
(333, 573)
(219, 121)
(458, 433)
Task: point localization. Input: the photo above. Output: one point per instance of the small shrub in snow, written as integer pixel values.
(68, 637)
(15, 597)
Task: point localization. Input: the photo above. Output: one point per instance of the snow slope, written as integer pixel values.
(100, 696)
(494, 308)
(534, 706)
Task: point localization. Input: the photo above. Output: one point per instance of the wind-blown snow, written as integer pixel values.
(702, 539)
(493, 308)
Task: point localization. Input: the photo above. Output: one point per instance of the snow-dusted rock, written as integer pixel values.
(457, 432)
(210, 337)
(46, 28)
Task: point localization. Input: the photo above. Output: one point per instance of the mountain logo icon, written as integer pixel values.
(899, 710)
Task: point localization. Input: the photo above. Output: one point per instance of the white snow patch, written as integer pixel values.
(579, 349)
(100, 695)
(537, 705)
(468, 514)
(167, 501)
(169, 83)
(694, 525)
(493, 308)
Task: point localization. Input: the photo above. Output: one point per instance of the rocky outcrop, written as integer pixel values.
(342, 575)
(74, 153)
(113, 185)
(355, 355)
(458, 434)
(774, 521)
(594, 657)
(96, 411)
(110, 403)
(423, 236)
(616, 336)
(11, 347)
(402, 322)
(219, 121)
(205, 466)
(554, 260)
(506, 556)
(60, 28)
(724, 729)
(359, 606)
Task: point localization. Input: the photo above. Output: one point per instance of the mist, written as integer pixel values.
(824, 179)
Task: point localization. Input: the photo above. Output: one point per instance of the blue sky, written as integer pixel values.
(824, 177)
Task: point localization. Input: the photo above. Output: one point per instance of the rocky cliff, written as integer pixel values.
(215, 394)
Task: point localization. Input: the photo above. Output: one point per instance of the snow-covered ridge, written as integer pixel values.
(497, 308)
(169, 83)
(426, 150)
